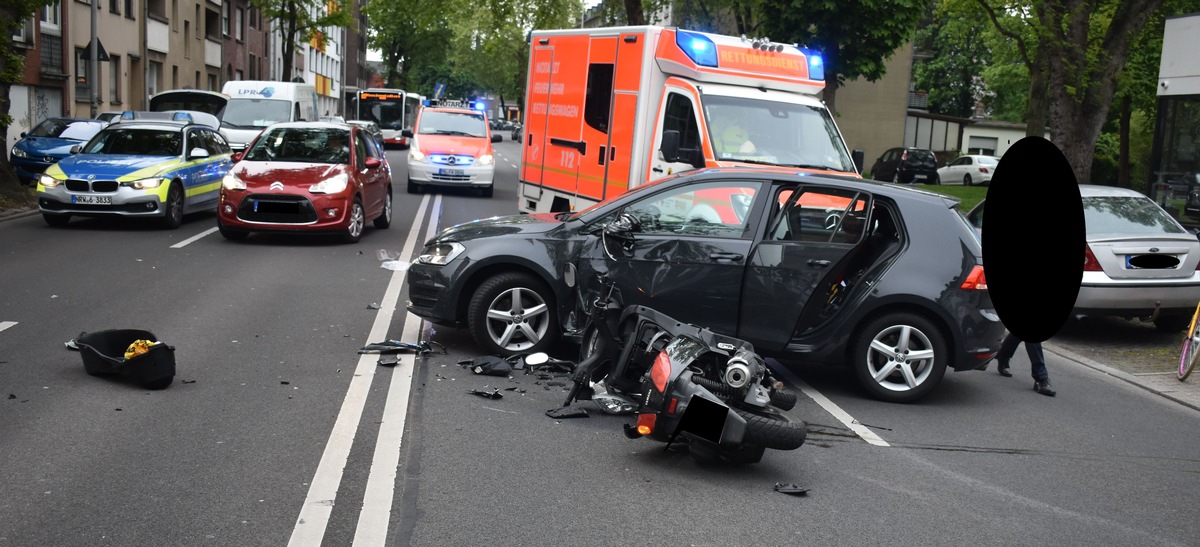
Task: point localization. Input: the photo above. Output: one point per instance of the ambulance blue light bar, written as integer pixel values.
(698, 47)
(816, 65)
(478, 105)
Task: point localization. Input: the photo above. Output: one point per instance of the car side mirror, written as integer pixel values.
(75, 149)
(497, 138)
(406, 133)
(373, 163)
(23, 134)
(858, 156)
(197, 153)
(624, 226)
(670, 145)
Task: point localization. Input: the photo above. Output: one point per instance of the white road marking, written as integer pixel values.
(829, 406)
(376, 511)
(322, 491)
(5, 325)
(193, 238)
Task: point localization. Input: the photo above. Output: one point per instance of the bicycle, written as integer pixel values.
(1190, 353)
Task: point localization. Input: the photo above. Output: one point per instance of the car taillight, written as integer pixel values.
(975, 280)
(983, 170)
(660, 372)
(1090, 264)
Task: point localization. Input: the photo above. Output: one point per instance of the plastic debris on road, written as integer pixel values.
(493, 394)
(790, 489)
(390, 261)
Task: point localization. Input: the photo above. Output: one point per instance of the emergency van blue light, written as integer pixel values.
(698, 47)
(816, 66)
(478, 105)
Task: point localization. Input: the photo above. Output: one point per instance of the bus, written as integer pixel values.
(394, 110)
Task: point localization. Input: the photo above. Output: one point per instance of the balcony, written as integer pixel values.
(158, 36)
(212, 53)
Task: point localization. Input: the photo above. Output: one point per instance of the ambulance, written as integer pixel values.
(609, 109)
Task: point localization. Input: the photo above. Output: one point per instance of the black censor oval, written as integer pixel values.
(1033, 239)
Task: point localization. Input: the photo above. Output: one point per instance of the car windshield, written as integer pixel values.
(301, 145)
(136, 142)
(255, 113)
(66, 129)
(453, 123)
(776, 133)
(1127, 216)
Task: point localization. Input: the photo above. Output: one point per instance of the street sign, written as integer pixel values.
(438, 90)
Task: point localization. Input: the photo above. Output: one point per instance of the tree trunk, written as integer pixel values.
(633, 12)
(1037, 109)
(1123, 157)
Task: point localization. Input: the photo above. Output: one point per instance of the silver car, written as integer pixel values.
(1140, 261)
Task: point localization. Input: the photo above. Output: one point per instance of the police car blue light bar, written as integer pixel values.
(698, 47)
(182, 117)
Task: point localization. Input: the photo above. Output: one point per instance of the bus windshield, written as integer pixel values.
(385, 109)
(775, 133)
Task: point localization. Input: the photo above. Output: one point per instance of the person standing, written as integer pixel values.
(1037, 362)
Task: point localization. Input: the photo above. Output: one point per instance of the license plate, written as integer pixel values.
(456, 172)
(920, 176)
(92, 200)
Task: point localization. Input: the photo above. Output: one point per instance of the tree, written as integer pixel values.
(854, 37)
(958, 53)
(302, 21)
(13, 15)
(1074, 50)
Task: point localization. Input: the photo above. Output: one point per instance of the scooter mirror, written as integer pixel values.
(535, 359)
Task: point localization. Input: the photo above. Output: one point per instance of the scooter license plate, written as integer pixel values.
(704, 419)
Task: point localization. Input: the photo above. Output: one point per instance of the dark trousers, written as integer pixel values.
(1037, 361)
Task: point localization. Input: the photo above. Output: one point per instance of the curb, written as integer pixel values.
(9, 214)
(1186, 397)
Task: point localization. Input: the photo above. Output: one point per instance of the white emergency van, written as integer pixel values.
(608, 109)
(255, 104)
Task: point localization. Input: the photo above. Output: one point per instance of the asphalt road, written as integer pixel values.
(276, 431)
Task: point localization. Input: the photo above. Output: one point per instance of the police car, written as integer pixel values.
(160, 165)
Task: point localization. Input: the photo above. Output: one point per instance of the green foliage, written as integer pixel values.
(298, 24)
(958, 52)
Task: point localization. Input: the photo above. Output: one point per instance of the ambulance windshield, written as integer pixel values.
(775, 133)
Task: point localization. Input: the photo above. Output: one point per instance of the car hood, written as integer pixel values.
(47, 146)
(537, 223)
(259, 175)
(453, 144)
(112, 166)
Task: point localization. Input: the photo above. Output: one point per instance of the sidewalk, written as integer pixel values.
(1167, 385)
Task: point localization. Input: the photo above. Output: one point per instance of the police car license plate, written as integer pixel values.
(455, 172)
(92, 200)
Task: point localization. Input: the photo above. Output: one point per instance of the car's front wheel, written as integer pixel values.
(56, 220)
(512, 313)
(356, 222)
(899, 357)
(413, 188)
(173, 207)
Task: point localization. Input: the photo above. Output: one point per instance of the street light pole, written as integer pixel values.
(94, 61)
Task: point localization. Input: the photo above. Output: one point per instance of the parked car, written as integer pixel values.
(307, 177)
(818, 269)
(452, 147)
(47, 143)
(332, 119)
(139, 167)
(1139, 263)
(970, 169)
(108, 116)
(906, 166)
(371, 127)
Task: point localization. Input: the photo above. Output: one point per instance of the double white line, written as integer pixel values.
(377, 499)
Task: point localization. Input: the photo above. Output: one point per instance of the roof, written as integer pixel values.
(1097, 190)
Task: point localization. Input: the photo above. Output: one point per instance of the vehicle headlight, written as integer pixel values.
(18, 153)
(145, 184)
(48, 181)
(486, 159)
(415, 154)
(232, 182)
(330, 185)
(440, 254)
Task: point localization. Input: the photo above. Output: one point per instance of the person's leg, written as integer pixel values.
(1037, 367)
(1008, 348)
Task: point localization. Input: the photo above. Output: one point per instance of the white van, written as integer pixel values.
(255, 104)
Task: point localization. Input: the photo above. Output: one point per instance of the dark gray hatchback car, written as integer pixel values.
(885, 279)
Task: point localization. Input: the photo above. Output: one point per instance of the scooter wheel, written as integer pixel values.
(773, 430)
(783, 399)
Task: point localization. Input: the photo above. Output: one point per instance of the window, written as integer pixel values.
(174, 77)
(225, 18)
(213, 23)
(237, 74)
(197, 84)
(24, 34)
(156, 8)
(238, 16)
(820, 216)
(716, 209)
(187, 44)
(154, 78)
(212, 82)
(83, 90)
(114, 79)
(253, 17)
(681, 116)
(114, 6)
(51, 18)
(175, 15)
(197, 19)
(129, 13)
(599, 96)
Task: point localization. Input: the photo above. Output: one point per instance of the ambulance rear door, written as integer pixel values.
(610, 114)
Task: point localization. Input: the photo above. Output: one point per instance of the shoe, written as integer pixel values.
(1002, 368)
(1044, 388)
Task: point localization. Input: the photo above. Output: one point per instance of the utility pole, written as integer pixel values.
(94, 61)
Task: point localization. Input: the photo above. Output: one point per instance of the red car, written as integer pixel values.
(307, 177)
